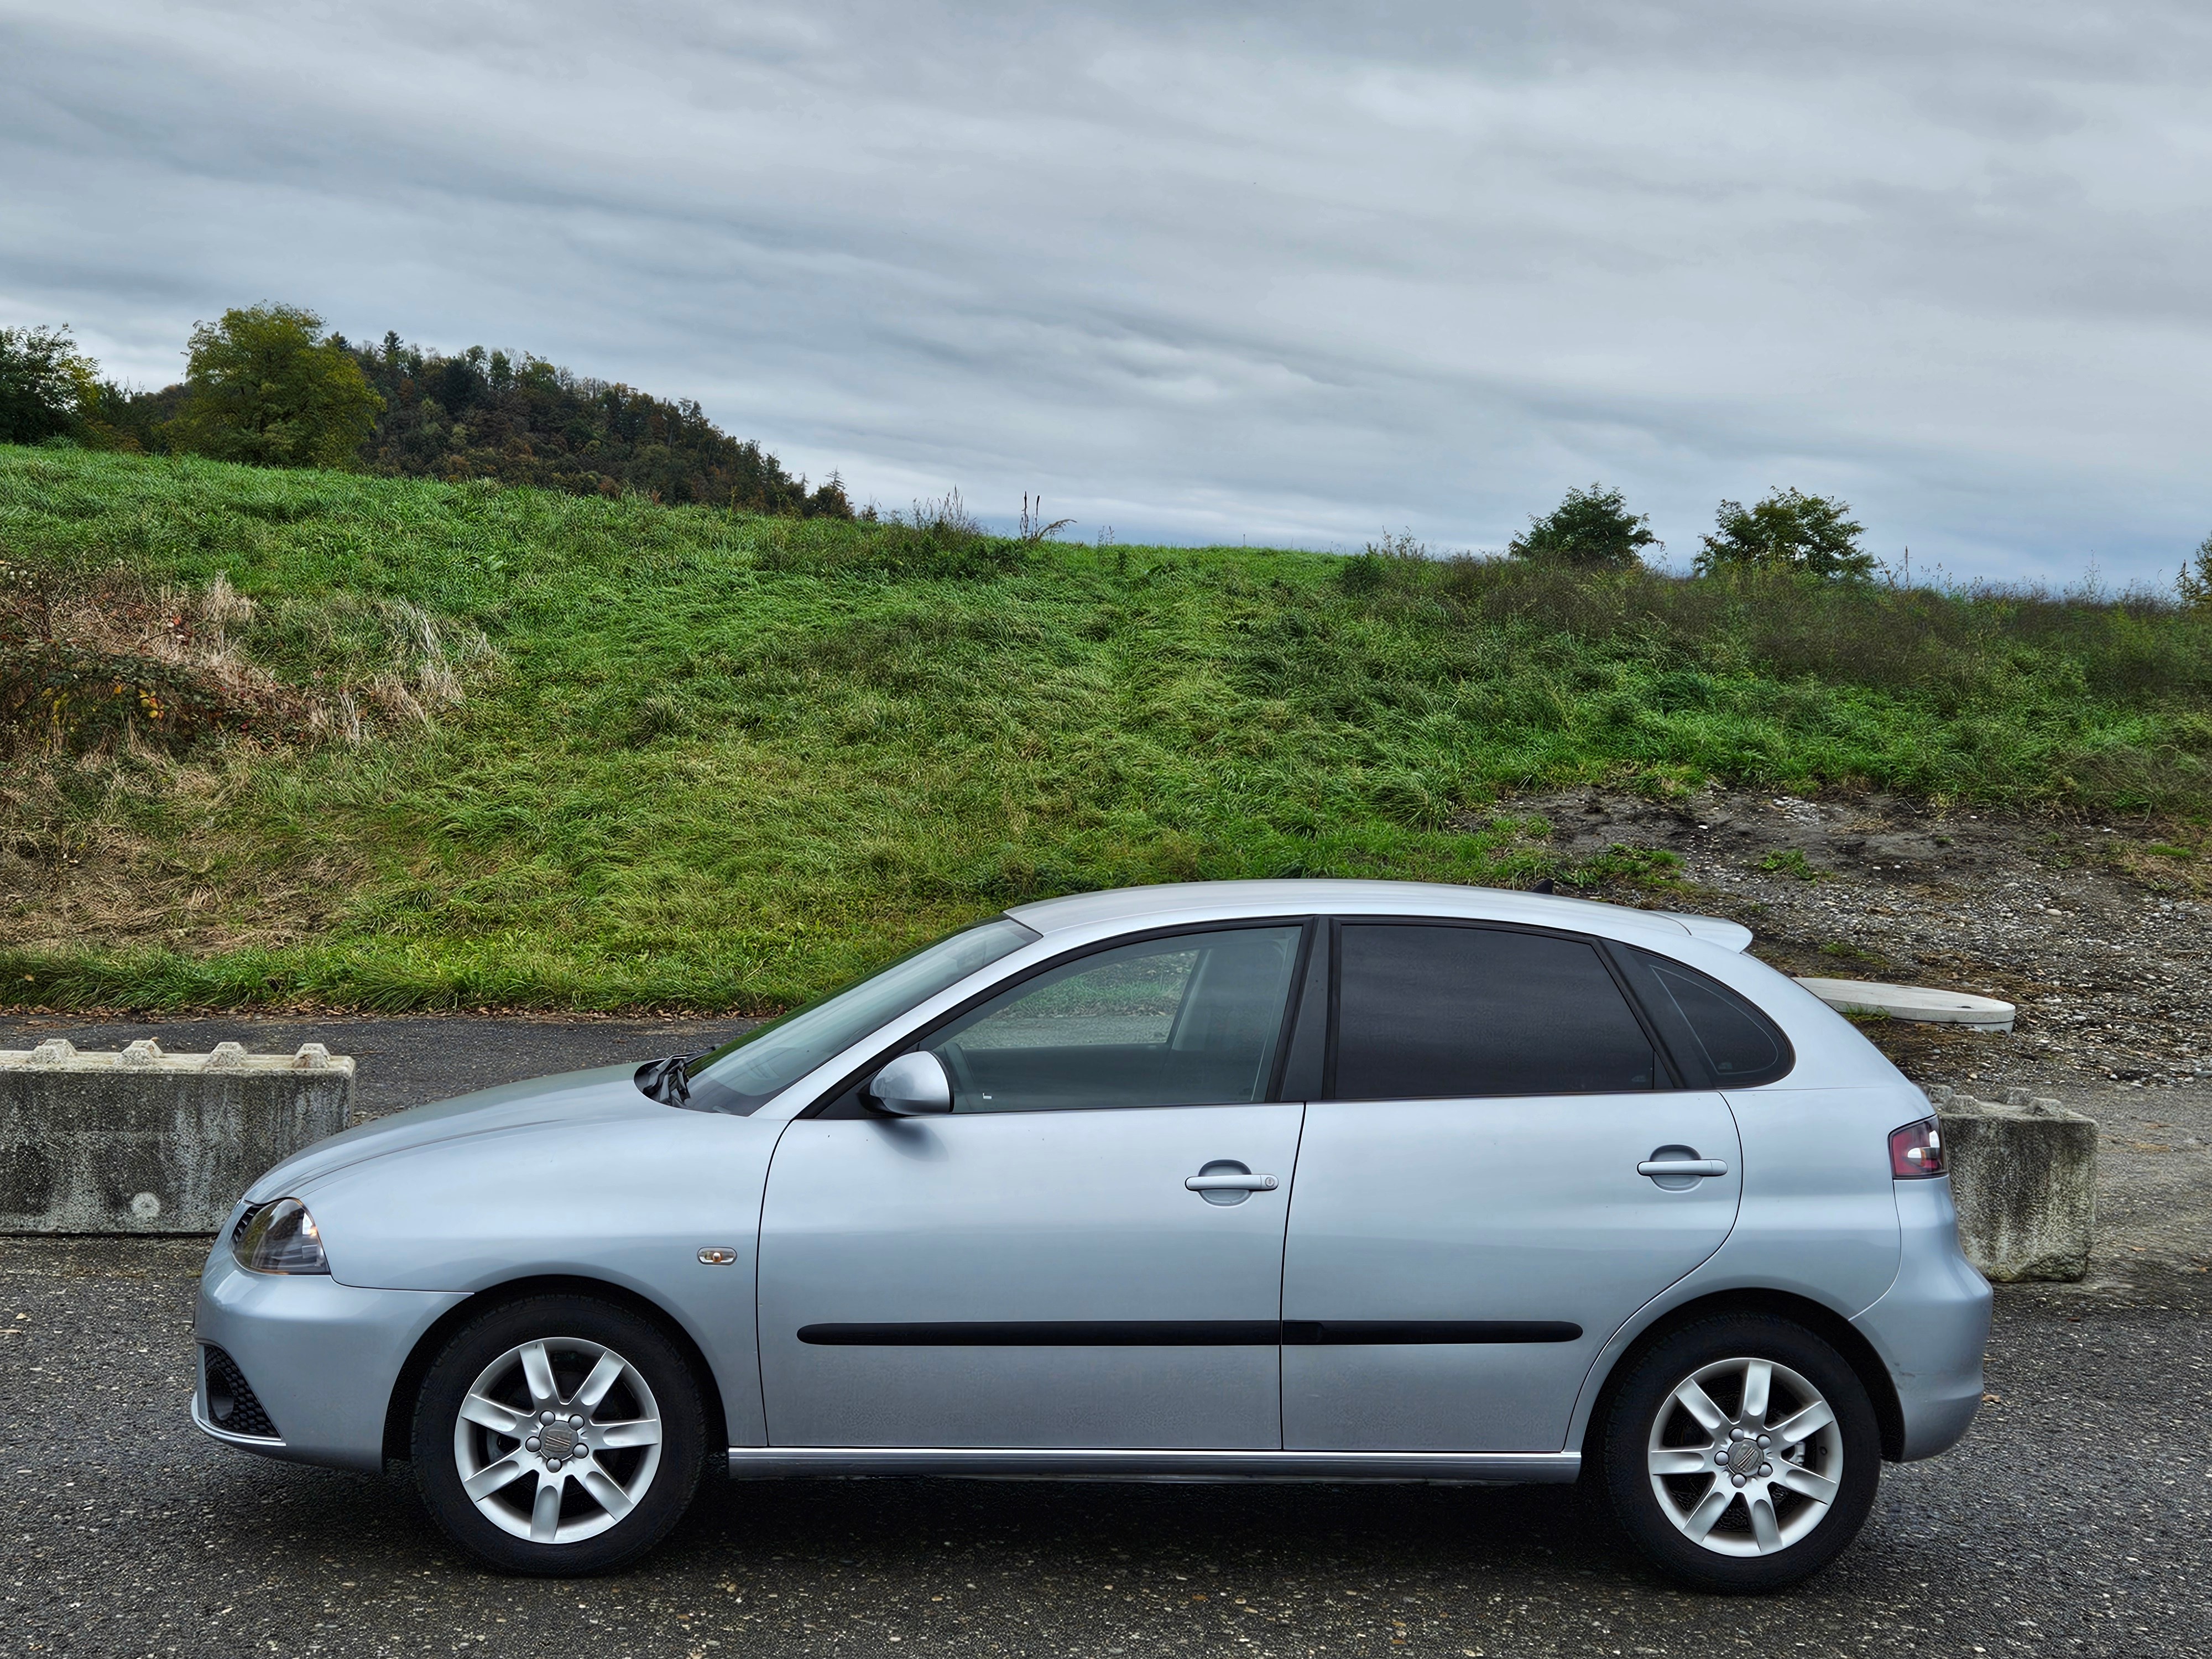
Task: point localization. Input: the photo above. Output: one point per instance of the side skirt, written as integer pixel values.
(1045, 1463)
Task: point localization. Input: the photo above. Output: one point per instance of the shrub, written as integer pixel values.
(1592, 528)
(1788, 531)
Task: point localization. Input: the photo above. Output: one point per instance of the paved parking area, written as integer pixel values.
(2077, 1520)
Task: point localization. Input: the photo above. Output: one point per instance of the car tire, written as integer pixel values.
(558, 1436)
(1741, 1454)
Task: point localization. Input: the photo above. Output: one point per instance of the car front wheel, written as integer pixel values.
(558, 1435)
(1743, 1454)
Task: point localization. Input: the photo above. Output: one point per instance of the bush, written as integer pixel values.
(1592, 528)
(1788, 531)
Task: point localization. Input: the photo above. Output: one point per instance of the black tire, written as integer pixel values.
(1742, 1553)
(573, 1337)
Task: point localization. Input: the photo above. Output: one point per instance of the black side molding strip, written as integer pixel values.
(1052, 1333)
(1405, 1332)
(1186, 1333)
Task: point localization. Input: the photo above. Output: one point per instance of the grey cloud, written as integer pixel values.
(1296, 274)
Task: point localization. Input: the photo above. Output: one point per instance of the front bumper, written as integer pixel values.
(321, 1357)
(1931, 1326)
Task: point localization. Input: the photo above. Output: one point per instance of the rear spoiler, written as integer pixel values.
(1714, 930)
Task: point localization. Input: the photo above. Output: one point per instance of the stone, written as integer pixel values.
(147, 1142)
(2024, 1177)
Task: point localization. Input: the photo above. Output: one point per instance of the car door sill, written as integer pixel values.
(1047, 1463)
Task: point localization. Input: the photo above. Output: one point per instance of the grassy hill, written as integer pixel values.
(459, 745)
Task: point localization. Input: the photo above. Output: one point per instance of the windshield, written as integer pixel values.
(739, 1077)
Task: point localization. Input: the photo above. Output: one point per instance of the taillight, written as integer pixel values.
(1915, 1151)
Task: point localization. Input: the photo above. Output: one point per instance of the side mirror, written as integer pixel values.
(913, 1086)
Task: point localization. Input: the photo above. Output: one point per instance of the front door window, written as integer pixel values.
(1194, 1020)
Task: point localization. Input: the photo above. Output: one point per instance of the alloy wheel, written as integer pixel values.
(557, 1440)
(1746, 1457)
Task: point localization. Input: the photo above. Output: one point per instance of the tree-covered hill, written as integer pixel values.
(525, 420)
(267, 385)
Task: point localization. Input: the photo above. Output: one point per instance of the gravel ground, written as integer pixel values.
(2106, 947)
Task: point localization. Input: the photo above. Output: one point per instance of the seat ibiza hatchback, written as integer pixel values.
(1313, 1180)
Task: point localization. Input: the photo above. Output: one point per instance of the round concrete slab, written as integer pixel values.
(1913, 1002)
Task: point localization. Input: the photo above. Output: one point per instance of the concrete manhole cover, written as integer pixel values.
(1913, 1002)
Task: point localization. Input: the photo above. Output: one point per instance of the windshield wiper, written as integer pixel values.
(668, 1081)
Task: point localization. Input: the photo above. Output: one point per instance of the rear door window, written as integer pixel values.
(1440, 1011)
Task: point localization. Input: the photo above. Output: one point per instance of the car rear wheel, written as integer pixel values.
(1741, 1454)
(558, 1435)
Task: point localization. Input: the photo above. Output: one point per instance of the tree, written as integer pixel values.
(1788, 531)
(2196, 583)
(45, 385)
(1592, 528)
(263, 387)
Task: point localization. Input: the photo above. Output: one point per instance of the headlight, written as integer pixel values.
(279, 1238)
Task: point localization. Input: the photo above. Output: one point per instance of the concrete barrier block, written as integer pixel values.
(2024, 1175)
(147, 1142)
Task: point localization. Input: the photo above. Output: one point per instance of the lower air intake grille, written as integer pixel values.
(232, 1406)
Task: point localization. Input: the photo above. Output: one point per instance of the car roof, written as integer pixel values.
(1203, 901)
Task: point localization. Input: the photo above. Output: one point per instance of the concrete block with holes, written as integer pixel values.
(2024, 1175)
(145, 1142)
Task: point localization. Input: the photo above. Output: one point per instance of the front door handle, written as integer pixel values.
(1682, 1166)
(1225, 1181)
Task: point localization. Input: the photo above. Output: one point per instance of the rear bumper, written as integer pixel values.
(321, 1359)
(1931, 1326)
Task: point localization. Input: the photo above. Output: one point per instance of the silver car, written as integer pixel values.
(1311, 1179)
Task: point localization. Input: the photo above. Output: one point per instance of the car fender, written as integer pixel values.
(666, 1206)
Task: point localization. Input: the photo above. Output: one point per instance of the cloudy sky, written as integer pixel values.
(1304, 275)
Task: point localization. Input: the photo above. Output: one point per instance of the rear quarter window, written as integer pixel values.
(1710, 1025)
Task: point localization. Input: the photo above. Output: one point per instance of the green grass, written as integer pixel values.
(721, 762)
(1790, 861)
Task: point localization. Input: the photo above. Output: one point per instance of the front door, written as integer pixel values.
(1470, 1225)
(1037, 1268)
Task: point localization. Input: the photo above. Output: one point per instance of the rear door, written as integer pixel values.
(1087, 1252)
(1469, 1225)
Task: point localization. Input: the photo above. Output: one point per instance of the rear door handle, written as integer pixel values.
(1682, 1166)
(1231, 1183)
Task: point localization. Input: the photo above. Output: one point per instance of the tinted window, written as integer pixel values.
(1733, 1038)
(1431, 1011)
(1188, 1021)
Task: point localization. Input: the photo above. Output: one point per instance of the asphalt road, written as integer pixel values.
(2077, 1518)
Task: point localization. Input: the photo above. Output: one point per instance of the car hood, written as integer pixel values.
(605, 1092)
